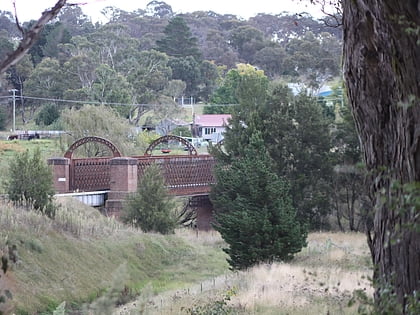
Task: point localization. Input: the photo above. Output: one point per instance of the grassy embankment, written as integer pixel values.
(74, 258)
(320, 280)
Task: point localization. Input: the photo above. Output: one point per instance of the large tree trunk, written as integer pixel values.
(382, 73)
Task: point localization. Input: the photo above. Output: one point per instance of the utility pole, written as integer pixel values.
(14, 108)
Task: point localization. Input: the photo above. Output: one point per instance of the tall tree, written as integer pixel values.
(298, 138)
(178, 40)
(381, 61)
(254, 213)
(247, 40)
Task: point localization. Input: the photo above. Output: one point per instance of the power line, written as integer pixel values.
(59, 100)
(80, 102)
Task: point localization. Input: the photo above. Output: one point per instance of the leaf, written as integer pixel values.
(61, 309)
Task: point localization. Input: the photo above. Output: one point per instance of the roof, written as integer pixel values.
(212, 120)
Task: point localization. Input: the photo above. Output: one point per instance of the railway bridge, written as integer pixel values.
(114, 177)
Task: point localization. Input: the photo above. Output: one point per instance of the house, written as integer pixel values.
(210, 127)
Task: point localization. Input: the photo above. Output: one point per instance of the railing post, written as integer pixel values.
(61, 174)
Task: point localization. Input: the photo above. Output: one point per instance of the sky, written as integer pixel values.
(32, 9)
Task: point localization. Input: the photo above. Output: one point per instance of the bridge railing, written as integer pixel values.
(184, 174)
(90, 174)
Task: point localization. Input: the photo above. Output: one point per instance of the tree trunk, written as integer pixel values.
(381, 68)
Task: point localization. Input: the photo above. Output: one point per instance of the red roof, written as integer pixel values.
(212, 120)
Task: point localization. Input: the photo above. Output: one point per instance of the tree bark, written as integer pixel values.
(381, 69)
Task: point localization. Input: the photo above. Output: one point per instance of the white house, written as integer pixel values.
(210, 127)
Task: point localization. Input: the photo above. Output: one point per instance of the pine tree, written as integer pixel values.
(178, 41)
(151, 207)
(254, 213)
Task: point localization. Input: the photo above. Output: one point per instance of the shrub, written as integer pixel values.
(29, 182)
(151, 208)
(47, 115)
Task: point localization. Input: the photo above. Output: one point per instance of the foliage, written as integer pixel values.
(144, 139)
(102, 121)
(219, 307)
(299, 142)
(30, 182)
(109, 86)
(386, 303)
(186, 69)
(254, 213)
(296, 136)
(47, 115)
(151, 208)
(178, 40)
(47, 80)
(182, 131)
(226, 93)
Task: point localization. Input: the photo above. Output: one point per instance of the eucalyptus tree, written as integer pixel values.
(247, 40)
(313, 59)
(149, 79)
(381, 58)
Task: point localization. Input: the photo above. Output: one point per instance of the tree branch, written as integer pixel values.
(30, 37)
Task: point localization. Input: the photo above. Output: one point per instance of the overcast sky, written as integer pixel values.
(32, 9)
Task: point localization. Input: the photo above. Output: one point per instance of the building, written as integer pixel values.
(210, 127)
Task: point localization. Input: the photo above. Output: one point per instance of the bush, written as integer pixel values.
(47, 115)
(151, 208)
(29, 182)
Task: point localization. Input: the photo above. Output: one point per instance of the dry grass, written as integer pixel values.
(72, 216)
(320, 280)
(206, 238)
(10, 146)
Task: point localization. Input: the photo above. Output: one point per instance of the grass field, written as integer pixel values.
(79, 256)
(320, 280)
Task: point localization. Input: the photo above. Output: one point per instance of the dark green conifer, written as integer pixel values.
(254, 213)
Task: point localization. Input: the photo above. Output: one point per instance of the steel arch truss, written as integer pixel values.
(165, 139)
(82, 141)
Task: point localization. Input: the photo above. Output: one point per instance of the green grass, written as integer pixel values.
(75, 259)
